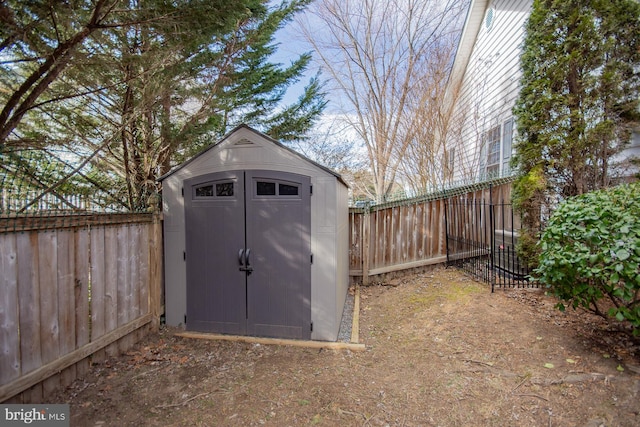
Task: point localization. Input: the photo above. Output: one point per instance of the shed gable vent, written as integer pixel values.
(243, 141)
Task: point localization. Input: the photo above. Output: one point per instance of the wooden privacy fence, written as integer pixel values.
(75, 289)
(408, 234)
(474, 218)
(384, 240)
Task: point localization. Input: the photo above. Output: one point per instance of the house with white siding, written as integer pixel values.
(482, 90)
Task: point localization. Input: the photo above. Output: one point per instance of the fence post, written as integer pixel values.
(492, 239)
(155, 271)
(446, 226)
(366, 238)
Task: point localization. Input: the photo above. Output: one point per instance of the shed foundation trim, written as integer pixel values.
(274, 341)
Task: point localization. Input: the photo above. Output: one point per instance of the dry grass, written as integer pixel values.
(441, 351)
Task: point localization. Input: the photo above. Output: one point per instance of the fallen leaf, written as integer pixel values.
(549, 365)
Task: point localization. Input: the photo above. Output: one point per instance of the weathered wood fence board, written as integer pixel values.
(9, 341)
(78, 291)
(395, 238)
(473, 211)
(384, 239)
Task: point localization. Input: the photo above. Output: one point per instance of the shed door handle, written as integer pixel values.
(243, 260)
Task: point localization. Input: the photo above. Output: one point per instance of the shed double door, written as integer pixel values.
(248, 253)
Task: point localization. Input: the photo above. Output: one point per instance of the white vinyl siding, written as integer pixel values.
(490, 86)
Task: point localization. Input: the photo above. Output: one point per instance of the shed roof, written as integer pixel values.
(262, 135)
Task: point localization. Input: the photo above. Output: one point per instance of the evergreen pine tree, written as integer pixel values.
(132, 88)
(578, 102)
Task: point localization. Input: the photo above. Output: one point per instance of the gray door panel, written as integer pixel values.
(216, 291)
(267, 215)
(278, 234)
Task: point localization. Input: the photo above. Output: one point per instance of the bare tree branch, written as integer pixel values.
(377, 53)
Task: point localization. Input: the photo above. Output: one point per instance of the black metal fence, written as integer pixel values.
(481, 238)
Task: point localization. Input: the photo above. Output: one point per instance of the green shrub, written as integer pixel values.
(590, 253)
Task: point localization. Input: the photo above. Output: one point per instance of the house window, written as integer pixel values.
(496, 151)
(507, 139)
(492, 141)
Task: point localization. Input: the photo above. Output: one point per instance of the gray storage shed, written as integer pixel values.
(256, 241)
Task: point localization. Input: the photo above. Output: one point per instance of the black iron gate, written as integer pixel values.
(481, 238)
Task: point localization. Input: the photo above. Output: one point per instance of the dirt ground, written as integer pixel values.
(441, 350)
